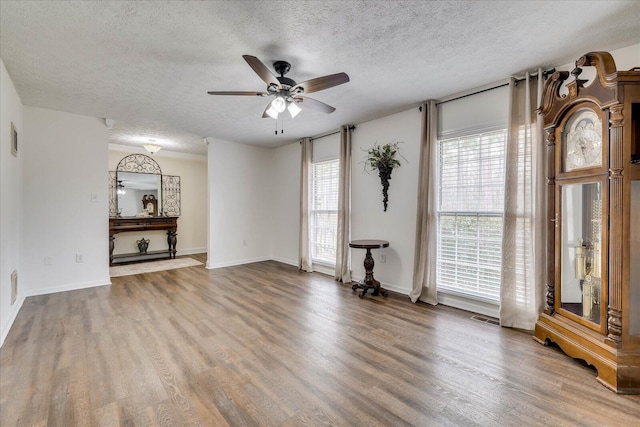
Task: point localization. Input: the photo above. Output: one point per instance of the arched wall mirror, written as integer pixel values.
(137, 188)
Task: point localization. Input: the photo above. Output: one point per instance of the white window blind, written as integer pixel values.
(324, 211)
(470, 214)
(469, 115)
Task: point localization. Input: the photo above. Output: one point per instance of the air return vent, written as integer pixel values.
(14, 286)
(491, 320)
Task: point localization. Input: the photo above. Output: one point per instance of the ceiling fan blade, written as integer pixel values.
(261, 70)
(321, 83)
(239, 93)
(313, 104)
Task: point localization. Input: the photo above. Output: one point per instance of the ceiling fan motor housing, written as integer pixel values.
(286, 81)
(282, 67)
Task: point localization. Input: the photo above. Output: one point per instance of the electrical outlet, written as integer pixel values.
(48, 260)
(94, 197)
(244, 243)
(383, 257)
(79, 258)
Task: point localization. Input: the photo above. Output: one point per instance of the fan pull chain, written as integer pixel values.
(281, 126)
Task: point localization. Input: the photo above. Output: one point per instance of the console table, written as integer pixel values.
(369, 282)
(152, 223)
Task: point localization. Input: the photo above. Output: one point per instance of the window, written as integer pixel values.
(470, 214)
(324, 211)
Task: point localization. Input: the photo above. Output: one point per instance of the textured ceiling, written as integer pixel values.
(148, 65)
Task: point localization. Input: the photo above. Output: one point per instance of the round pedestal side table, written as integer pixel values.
(368, 282)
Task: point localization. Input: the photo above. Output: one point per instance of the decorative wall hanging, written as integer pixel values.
(383, 158)
(168, 203)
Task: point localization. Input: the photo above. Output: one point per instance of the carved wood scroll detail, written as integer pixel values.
(602, 91)
(605, 67)
(552, 90)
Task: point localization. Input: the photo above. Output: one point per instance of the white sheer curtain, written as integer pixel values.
(523, 252)
(424, 264)
(304, 252)
(343, 266)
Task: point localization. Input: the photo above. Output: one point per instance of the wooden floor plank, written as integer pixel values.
(265, 344)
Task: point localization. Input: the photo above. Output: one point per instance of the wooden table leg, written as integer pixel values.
(112, 244)
(172, 240)
(369, 282)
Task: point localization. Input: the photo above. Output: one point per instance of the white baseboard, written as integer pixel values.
(285, 261)
(12, 317)
(192, 251)
(464, 303)
(324, 269)
(212, 266)
(395, 289)
(486, 308)
(70, 287)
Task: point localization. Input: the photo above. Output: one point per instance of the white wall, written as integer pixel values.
(397, 224)
(192, 224)
(240, 203)
(11, 169)
(65, 201)
(368, 219)
(627, 57)
(285, 203)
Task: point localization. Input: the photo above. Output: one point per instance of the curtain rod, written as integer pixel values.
(544, 73)
(351, 127)
(473, 93)
(325, 135)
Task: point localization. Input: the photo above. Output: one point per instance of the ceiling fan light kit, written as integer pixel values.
(293, 109)
(288, 93)
(279, 104)
(271, 112)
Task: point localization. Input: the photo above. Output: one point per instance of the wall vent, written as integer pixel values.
(14, 286)
(484, 319)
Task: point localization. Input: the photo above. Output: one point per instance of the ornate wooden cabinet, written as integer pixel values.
(593, 242)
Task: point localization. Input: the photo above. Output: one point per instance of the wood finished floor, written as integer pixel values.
(262, 344)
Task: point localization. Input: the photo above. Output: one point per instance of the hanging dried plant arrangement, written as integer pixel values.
(383, 158)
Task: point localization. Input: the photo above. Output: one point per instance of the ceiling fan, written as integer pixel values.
(288, 94)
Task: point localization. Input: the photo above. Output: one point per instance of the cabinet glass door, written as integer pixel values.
(634, 261)
(581, 250)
